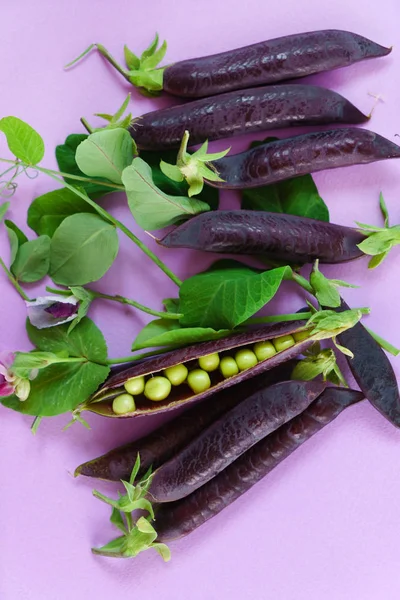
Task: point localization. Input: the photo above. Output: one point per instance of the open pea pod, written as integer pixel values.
(288, 340)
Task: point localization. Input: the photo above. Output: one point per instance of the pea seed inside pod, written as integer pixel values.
(228, 367)
(210, 362)
(264, 350)
(299, 336)
(157, 389)
(199, 381)
(123, 404)
(283, 342)
(245, 359)
(176, 374)
(134, 386)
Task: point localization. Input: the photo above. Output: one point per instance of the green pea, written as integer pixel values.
(245, 359)
(157, 388)
(210, 362)
(199, 381)
(123, 404)
(134, 385)
(264, 350)
(228, 367)
(283, 342)
(176, 374)
(299, 336)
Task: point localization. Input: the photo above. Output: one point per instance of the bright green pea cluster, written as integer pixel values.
(158, 387)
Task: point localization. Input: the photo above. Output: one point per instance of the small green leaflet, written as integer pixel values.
(47, 212)
(32, 261)
(20, 235)
(298, 196)
(83, 248)
(65, 155)
(325, 289)
(16, 238)
(227, 294)
(85, 298)
(167, 332)
(105, 153)
(23, 141)
(152, 208)
(3, 210)
(116, 120)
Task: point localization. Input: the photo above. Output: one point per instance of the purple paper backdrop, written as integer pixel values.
(325, 524)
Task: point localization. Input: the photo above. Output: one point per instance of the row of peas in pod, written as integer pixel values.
(157, 388)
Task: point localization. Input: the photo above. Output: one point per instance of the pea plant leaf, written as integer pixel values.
(325, 290)
(168, 332)
(3, 210)
(48, 211)
(60, 388)
(83, 248)
(16, 237)
(23, 141)
(85, 341)
(298, 196)
(32, 260)
(227, 294)
(21, 237)
(65, 155)
(105, 153)
(152, 208)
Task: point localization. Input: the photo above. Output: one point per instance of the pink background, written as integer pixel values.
(325, 524)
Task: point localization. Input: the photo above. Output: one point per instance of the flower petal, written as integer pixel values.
(50, 311)
(22, 389)
(6, 389)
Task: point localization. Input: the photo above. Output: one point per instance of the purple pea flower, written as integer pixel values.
(10, 383)
(49, 311)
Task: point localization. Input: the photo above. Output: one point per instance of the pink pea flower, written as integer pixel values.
(10, 383)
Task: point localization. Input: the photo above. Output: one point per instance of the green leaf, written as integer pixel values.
(14, 243)
(168, 332)
(32, 260)
(47, 212)
(65, 155)
(377, 259)
(60, 388)
(85, 299)
(85, 341)
(171, 305)
(105, 153)
(325, 289)
(21, 237)
(152, 208)
(3, 210)
(380, 242)
(117, 520)
(23, 141)
(83, 248)
(298, 196)
(227, 295)
(132, 61)
(384, 209)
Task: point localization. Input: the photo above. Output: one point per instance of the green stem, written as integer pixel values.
(142, 307)
(278, 318)
(108, 217)
(86, 125)
(302, 282)
(383, 343)
(124, 359)
(112, 61)
(14, 281)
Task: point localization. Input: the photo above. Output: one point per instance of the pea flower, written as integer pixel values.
(10, 383)
(49, 311)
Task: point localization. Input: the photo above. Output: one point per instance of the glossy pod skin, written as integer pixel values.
(230, 436)
(372, 370)
(163, 443)
(308, 153)
(274, 60)
(101, 401)
(243, 111)
(175, 520)
(288, 238)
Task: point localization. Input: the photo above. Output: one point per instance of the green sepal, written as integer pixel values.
(379, 240)
(325, 290)
(321, 363)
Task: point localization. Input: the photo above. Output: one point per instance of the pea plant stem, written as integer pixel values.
(142, 307)
(14, 281)
(124, 359)
(279, 318)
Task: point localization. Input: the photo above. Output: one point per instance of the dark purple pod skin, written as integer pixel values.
(163, 443)
(308, 153)
(230, 436)
(266, 62)
(287, 238)
(180, 518)
(372, 370)
(100, 402)
(240, 112)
